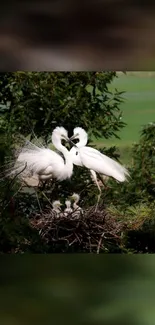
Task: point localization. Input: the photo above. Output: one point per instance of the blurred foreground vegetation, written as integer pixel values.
(35, 103)
(77, 290)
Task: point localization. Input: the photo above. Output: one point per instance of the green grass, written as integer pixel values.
(138, 110)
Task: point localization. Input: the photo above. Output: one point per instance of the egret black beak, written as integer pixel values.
(70, 141)
(73, 144)
(74, 136)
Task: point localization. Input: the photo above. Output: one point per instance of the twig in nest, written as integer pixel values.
(70, 244)
(99, 243)
(84, 234)
(89, 244)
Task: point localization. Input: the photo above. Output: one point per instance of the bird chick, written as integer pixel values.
(68, 209)
(57, 208)
(76, 208)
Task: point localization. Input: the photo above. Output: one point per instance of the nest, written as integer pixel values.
(93, 231)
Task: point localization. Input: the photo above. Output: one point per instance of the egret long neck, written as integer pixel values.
(67, 169)
(58, 145)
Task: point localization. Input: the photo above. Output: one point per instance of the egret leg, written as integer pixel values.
(98, 186)
(38, 201)
(47, 198)
(103, 182)
(43, 180)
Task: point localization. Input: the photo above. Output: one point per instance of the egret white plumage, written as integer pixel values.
(76, 198)
(57, 208)
(44, 162)
(77, 209)
(68, 208)
(95, 161)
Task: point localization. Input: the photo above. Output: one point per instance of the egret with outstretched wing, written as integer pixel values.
(95, 161)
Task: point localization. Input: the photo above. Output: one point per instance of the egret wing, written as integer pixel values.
(36, 161)
(102, 164)
(40, 159)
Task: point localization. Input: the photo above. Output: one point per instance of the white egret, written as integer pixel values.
(46, 163)
(57, 208)
(68, 208)
(95, 161)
